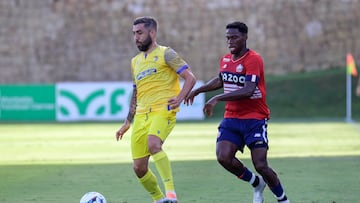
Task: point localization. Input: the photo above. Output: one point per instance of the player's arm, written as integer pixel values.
(244, 92)
(213, 84)
(126, 125)
(252, 77)
(132, 108)
(189, 82)
(184, 71)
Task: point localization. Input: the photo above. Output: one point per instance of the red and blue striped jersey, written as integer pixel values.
(249, 67)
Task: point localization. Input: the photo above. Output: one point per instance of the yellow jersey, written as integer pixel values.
(155, 75)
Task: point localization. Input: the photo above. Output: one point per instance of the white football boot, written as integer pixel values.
(258, 191)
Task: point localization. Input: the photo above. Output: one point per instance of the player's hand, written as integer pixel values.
(174, 103)
(120, 133)
(209, 107)
(189, 99)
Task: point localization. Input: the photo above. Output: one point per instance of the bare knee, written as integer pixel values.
(259, 160)
(140, 171)
(261, 167)
(225, 153)
(140, 166)
(224, 159)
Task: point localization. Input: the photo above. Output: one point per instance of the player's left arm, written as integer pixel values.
(189, 82)
(184, 71)
(244, 92)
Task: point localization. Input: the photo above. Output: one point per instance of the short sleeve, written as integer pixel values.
(173, 60)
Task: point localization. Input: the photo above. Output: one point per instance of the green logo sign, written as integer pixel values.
(92, 101)
(27, 102)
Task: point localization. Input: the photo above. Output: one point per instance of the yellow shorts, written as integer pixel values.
(159, 123)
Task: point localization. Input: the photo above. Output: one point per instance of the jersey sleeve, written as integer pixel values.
(173, 60)
(253, 69)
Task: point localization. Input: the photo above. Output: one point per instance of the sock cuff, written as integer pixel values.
(159, 155)
(248, 176)
(147, 176)
(280, 197)
(278, 191)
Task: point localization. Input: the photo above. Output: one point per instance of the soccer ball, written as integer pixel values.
(93, 197)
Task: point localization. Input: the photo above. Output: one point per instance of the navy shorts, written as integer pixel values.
(241, 132)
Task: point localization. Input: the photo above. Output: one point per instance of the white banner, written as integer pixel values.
(92, 100)
(195, 111)
(107, 101)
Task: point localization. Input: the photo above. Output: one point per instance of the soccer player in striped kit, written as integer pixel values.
(246, 113)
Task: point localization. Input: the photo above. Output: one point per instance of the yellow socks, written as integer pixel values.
(163, 166)
(149, 182)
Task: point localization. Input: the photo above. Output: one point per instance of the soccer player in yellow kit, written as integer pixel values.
(156, 99)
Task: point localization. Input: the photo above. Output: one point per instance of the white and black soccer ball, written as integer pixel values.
(93, 197)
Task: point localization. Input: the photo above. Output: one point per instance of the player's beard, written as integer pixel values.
(144, 46)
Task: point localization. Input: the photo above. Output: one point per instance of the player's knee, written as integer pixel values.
(224, 160)
(261, 167)
(140, 170)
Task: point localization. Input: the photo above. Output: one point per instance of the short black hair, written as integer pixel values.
(242, 27)
(149, 22)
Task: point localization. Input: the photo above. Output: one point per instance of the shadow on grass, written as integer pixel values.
(306, 180)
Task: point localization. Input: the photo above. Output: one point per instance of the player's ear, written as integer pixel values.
(153, 33)
(245, 36)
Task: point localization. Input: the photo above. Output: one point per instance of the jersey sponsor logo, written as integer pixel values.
(257, 135)
(239, 68)
(146, 73)
(233, 78)
(226, 60)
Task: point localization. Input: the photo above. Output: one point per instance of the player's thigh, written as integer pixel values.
(162, 123)
(139, 137)
(230, 130)
(226, 150)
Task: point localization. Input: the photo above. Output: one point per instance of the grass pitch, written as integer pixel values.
(318, 162)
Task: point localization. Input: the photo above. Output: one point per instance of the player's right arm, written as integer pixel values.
(125, 127)
(213, 84)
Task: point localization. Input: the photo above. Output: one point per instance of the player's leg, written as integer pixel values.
(225, 152)
(141, 154)
(259, 159)
(229, 141)
(162, 124)
(147, 178)
(257, 137)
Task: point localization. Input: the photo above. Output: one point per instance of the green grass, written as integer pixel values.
(318, 162)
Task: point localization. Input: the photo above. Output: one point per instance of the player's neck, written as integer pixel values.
(152, 47)
(239, 55)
